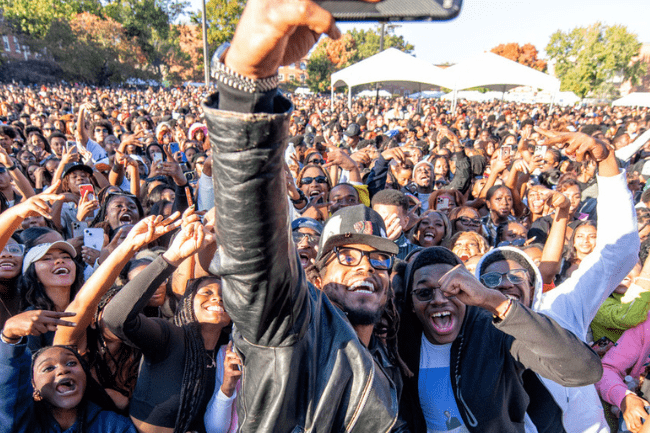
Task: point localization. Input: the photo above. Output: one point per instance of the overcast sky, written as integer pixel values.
(484, 24)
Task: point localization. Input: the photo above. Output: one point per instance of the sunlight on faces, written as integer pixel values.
(56, 268)
(430, 231)
(208, 304)
(584, 239)
(10, 263)
(60, 378)
(522, 291)
(361, 290)
(441, 317)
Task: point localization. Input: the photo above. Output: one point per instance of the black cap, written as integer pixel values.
(355, 225)
(353, 130)
(72, 166)
(307, 223)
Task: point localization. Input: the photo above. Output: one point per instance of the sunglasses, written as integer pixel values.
(316, 161)
(519, 242)
(475, 222)
(494, 279)
(14, 249)
(308, 180)
(425, 294)
(48, 129)
(298, 237)
(348, 256)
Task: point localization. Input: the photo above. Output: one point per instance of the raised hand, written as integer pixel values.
(86, 206)
(558, 201)
(232, 371)
(39, 204)
(34, 322)
(151, 228)
(337, 157)
(575, 144)
(189, 240)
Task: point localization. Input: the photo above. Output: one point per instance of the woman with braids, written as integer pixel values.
(165, 400)
(112, 363)
(60, 395)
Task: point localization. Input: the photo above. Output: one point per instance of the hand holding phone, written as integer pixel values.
(94, 238)
(506, 150)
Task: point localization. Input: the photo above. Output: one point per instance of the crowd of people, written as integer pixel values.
(393, 265)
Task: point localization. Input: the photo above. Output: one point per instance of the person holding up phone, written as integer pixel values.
(278, 317)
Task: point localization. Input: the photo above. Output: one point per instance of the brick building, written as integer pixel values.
(295, 72)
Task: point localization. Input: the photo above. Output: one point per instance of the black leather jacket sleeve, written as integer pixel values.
(264, 286)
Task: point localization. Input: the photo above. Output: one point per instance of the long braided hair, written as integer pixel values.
(195, 370)
(117, 371)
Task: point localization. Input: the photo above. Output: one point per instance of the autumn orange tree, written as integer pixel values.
(525, 54)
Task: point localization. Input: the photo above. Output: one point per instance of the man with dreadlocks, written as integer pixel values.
(307, 353)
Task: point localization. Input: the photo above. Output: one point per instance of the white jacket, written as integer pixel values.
(574, 303)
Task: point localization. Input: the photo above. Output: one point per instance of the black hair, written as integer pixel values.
(43, 408)
(117, 371)
(100, 218)
(493, 190)
(28, 237)
(155, 195)
(391, 197)
(571, 254)
(105, 123)
(58, 134)
(195, 370)
(644, 251)
(32, 291)
(645, 196)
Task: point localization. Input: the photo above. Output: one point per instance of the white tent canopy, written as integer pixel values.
(391, 65)
(497, 73)
(639, 99)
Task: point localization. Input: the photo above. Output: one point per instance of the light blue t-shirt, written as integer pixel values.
(436, 394)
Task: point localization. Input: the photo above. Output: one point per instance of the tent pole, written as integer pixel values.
(350, 97)
(332, 97)
(453, 103)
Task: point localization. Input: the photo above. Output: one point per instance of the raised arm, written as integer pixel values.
(122, 315)
(85, 302)
(552, 253)
(575, 302)
(36, 205)
(539, 344)
(17, 176)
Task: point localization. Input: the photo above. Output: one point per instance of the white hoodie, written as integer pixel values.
(574, 303)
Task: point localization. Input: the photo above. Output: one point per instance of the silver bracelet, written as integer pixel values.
(227, 76)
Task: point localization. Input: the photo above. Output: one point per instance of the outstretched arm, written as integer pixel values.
(85, 302)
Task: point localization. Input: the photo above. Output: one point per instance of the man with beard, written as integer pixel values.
(309, 365)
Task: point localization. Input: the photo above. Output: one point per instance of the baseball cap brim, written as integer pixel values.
(36, 253)
(377, 242)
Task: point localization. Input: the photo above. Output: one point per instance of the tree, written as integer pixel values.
(525, 54)
(34, 17)
(222, 19)
(368, 41)
(590, 60)
(93, 50)
(330, 56)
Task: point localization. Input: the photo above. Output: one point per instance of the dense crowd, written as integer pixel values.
(501, 237)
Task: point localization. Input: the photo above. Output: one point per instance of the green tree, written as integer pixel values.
(355, 45)
(222, 19)
(34, 17)
(368, 41)
(319, 70)
(589, 60)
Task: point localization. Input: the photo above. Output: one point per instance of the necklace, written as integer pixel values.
(5, 307)
(211, 358)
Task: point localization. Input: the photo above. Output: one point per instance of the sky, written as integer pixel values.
(484, 24)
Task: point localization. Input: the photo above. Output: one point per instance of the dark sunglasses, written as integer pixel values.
(3, 170)
(469, 221)
(316, 161)
(348, 256)
(425, 294)
(494, 279)
(308, 180)
(519, 242)
(298, 237)
(49, 129)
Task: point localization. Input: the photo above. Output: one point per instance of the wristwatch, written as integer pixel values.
(225, 75)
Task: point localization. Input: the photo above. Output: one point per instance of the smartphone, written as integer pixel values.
(71, 145)
(78, 228)
(157, 157)
(540, 150)
(87, 188)
(94, 238)
(442, 203)
(191, 176)
(393, 10)
(175, 148)
(505, 151)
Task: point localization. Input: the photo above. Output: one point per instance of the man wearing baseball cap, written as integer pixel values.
(352, 136)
